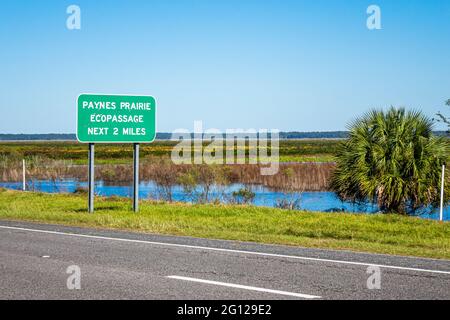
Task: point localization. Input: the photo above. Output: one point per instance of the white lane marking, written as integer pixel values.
(229, 250)
(239, 286)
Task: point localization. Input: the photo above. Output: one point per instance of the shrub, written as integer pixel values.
(392, 159)
(243, 196)
(291, 202)
(199, 180)
(165, 177)
(81, 190)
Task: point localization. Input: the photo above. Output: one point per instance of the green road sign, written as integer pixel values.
(116, 118)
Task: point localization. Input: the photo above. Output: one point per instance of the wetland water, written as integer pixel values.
(312, 201)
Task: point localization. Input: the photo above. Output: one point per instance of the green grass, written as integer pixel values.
(308, 158)
(283, 159)
(389, 234)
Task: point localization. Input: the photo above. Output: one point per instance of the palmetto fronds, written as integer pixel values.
(392, 159)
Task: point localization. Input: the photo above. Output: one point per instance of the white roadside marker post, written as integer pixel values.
(23, 175)
(441, 212)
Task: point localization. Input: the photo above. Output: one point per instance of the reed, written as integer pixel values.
(303, 176)
(291, 176)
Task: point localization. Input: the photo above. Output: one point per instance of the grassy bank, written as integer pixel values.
(390, 234)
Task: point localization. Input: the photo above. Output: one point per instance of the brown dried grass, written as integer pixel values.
(291, 176)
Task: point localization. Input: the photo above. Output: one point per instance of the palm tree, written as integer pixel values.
(392, 159)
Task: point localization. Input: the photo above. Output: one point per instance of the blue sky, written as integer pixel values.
(288, 65)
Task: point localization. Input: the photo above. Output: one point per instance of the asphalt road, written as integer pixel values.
(34, 260)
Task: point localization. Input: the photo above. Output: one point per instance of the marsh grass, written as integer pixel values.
(290, 150)
(302, 177)
(58, 160)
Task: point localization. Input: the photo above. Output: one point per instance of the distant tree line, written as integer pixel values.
(57, 136)
(167, 136)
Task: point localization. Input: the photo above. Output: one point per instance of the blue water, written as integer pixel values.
(313, 201)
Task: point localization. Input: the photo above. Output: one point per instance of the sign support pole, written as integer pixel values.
(91, 178)
(441, 211)
(136, 177)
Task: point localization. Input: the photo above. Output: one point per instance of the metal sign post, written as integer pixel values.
(136, 177)
(91, 178)
(441, 211)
